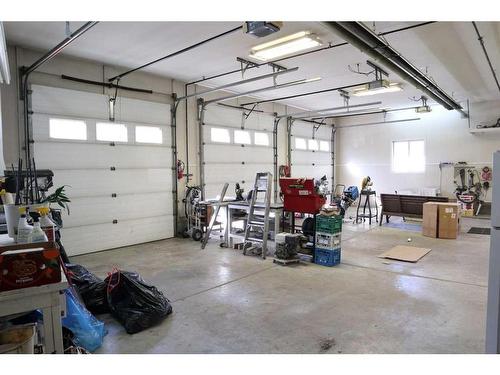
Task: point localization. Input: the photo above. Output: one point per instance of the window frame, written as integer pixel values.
(408, 142)
(61, 139)
(229, 141)
(113, 124)
(263, 133)
(250, 137)
(299, 148)
(148, 127)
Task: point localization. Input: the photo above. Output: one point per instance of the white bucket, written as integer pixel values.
(12, 218)
(18, 340)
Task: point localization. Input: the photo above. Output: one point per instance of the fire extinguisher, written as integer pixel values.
(180, 169)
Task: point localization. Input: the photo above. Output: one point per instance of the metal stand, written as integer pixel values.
(214, 217)
(263, 183)
(367, 205)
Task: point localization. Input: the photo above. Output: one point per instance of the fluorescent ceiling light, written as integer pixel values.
(4, 59)
(285, 46)
(377, 87)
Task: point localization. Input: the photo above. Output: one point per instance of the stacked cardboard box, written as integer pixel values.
(441, 220)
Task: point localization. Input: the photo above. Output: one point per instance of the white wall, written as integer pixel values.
(367, 150)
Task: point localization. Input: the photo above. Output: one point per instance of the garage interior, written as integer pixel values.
(188, 168)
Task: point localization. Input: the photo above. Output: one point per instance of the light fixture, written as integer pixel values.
(284, 46)
(380, 86)
(424, 108)
(4, 59)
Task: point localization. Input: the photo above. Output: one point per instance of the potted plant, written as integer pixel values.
(60, 198)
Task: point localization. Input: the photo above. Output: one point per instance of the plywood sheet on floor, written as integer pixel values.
(405, 253)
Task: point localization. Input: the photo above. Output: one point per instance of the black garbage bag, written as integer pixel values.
(134, 303)
(91, 288)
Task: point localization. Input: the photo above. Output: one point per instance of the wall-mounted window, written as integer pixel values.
(106, 131)
(219, 135)
(242, 137)
(261, 139)
(300, 144)
(312, 144)
(148, 134)
(67, 129)
(324, 146)
(408, 156)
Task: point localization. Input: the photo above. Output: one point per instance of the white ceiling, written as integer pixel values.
(448, 51)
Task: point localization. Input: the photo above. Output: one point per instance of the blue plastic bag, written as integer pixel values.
(87, 330)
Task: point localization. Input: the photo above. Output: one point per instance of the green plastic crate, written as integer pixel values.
(329, 224)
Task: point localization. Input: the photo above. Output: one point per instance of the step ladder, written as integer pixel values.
(258, 222)
(214, 216)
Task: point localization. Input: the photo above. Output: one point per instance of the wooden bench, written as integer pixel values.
(405, 205)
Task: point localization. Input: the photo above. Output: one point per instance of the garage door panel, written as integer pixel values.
(93, 210)
(307, 171)
(92, 238)
(234, 118)
(67, 102)
(237, 154)
(142, 111)
(72, 156)
(309, 157)
(94, 182)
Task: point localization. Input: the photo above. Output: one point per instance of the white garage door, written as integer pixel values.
(311, 150)
(119, 173)
(235, 148)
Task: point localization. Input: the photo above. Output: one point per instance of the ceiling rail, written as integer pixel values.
(481, 40)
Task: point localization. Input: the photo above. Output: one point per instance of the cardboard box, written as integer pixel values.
(30, 267)
(441, 220)
(430, 219)
(448, 220)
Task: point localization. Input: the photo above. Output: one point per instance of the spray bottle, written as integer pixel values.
(37, 235)
(46, 224)
(24, 230)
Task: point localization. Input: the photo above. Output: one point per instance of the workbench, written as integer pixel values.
(235, 207)
(49, 298)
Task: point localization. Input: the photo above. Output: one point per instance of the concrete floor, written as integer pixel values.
(225, 302)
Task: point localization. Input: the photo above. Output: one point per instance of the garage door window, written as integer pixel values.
(67, 129)
(312, 144)
(324, 146)
(300, 144)
(220, 135)
(408, 156)
(148, 134)
(261, 139)
(111, 132)
(242, 137)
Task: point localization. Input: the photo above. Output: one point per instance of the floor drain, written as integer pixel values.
(478, 230)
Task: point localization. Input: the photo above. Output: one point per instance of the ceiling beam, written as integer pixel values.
(362, 37)
(273, 87)
(310, 114)
(242, 82)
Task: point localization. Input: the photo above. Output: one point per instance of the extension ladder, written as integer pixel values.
(256, 222)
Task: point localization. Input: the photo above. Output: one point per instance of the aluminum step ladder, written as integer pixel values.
(258, 222)
(214, 216)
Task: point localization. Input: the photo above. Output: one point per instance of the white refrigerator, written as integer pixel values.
(493, 310)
